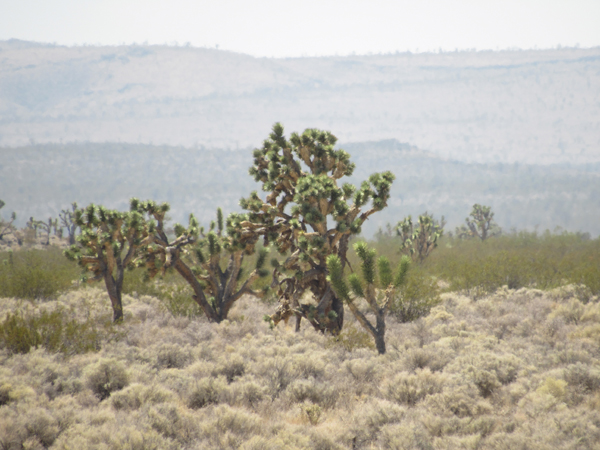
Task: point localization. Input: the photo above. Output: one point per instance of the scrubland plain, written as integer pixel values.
(516, 369)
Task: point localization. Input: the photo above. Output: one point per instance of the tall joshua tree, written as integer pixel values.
(308, 217)
(199, 258)
(107, 246)
(378, 296)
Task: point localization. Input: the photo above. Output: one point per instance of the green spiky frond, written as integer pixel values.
(336, 277)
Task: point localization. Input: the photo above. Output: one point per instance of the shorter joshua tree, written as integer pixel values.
(378, 298)
(107, 246)
(6, 227)
(211, 263)
(419, 240)
(67, 221)
(480, 224)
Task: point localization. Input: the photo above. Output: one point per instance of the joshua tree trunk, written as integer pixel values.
(379, 333)
(114, 289)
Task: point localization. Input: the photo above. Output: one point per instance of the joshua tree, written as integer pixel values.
(199, 258)
(107, 246)
(378, 299)
(301, 177)
(420, 240)
(45, 226)
(480, 224)
(67, 220)
(6, 227)
(32, 225)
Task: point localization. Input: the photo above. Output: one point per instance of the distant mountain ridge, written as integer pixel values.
(536, 106)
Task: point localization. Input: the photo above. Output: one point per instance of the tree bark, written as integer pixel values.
(380, 342)
(114, 293)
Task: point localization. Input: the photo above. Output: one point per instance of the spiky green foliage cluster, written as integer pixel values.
(480, 224)
(377, 287)
(419, 240)
(306, 212)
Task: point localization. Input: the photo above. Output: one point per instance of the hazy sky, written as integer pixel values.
(307, 27)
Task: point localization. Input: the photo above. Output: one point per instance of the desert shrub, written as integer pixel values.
(584, 378)
(174, 293)
(520, 259)
(34, 428)
(204, 392)
(173, 422)
(570, 312)
(309, 365)
(371, 417)
(485, 380)
(5, 389)
(557, 388)
(171, 356)
(504, 367)
(232, 368)
(421, 358)
(135, 396)
(321, 394)
(409, 389)
(246, 392)
(352, 338)
(52, 330)
(462, 401)
(105, 377)
(362, 370)
(404, 437)
(230, 427)
(278, 373)
(416, 297)
(35, 274)
(312, 412)
(42, 426)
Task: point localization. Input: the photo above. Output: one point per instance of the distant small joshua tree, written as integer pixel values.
(67, 221)
(419, 240)
(480, 224)
(6, 227)
(46, 226)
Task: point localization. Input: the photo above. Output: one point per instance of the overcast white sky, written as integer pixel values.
(307, 27)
